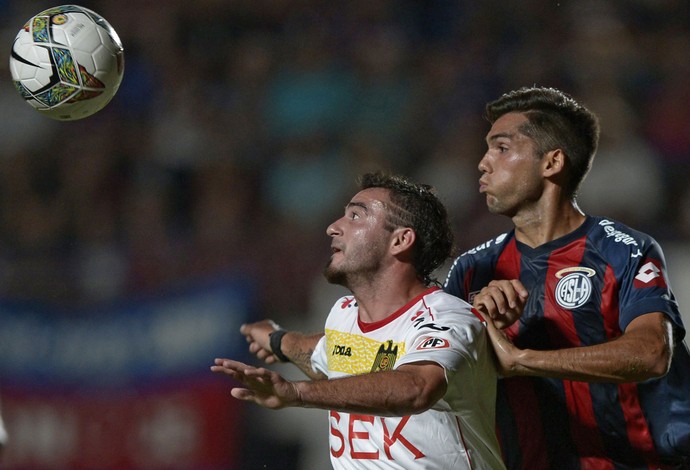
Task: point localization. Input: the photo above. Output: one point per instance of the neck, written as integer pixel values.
(545, 223)
(378, 300)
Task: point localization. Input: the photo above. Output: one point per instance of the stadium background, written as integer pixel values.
(133, 243)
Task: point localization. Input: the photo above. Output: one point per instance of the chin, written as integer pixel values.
(333, 275)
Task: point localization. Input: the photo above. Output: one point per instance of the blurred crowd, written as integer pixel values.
(240, 127)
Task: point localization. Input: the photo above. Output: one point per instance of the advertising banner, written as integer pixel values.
(127, 386)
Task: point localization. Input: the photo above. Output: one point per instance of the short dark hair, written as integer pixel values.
(555, 121)
(417, 206)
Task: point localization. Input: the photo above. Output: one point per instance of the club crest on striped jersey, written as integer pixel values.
(574, 287)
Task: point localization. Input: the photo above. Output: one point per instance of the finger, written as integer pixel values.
(271, 359)
(229, 372)
(511, 299)
(235, 365)
(498, 298)
(520, 288)
(486, 305)
(242, 394)
(255, 372)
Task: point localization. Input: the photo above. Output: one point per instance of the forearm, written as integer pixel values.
(390, 393)
(298, 348)
(621, 360)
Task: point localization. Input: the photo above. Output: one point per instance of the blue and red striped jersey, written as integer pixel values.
(585, 288)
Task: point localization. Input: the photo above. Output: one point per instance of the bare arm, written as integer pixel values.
(410, 389)
(643, 352)
(296, 346)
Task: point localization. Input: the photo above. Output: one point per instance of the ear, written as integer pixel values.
(554, 163)
(402, 240)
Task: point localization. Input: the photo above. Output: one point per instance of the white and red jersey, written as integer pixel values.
(459, 431)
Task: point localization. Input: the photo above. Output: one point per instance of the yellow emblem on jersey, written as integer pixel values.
(385, 357)
(356, 354)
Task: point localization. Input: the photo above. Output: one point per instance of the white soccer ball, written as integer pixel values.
(67, 62)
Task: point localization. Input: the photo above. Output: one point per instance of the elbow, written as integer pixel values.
(662, 363)
(659, 353)
(418, 400)
(657, 364)
(425, 398)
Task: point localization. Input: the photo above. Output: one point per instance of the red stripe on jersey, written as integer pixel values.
(478, 315)
(523, 403)
(584, 428)
(508, 267)
(464, 444)
(468, 284)
(636, 424)
(609, 305)
(560, 325)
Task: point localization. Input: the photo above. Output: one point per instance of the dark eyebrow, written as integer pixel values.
(500, 135)
(357, 204)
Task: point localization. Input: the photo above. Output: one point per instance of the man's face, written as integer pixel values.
(360, 239)
(511, 171)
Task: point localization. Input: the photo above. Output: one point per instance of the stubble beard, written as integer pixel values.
(334, 275)
(349, 276)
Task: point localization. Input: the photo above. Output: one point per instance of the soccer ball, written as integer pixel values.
(67, 62)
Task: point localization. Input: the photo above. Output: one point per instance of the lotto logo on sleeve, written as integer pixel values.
(429, 342)
(650, 275)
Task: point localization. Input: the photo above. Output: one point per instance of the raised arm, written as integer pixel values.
(296, 347)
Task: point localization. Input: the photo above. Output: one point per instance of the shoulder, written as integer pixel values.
(488, 247)
(612, 236)
(482, 256)
(343, 308)
(486, 250)
(447, 308)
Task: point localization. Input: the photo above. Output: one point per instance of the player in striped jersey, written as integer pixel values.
(404, 368)
(596, 373)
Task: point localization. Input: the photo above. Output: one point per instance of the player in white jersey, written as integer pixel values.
(404, 369)
(434, 327)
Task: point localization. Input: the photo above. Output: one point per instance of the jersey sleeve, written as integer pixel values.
(319, 361)
(645, 286)
(454, 284)
(446, 337)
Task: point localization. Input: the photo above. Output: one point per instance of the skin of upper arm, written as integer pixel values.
(432, 378)
(653, 335)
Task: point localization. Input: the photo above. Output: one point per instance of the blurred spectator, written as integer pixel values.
(239, 120)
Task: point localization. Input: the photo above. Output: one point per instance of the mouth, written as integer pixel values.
(482, 186)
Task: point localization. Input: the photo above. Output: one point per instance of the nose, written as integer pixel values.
(484, 164)
(332, 230)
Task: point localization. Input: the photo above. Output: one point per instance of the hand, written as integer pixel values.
(503, 301)
(264, 387)
(505, 352)
(257, 335)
